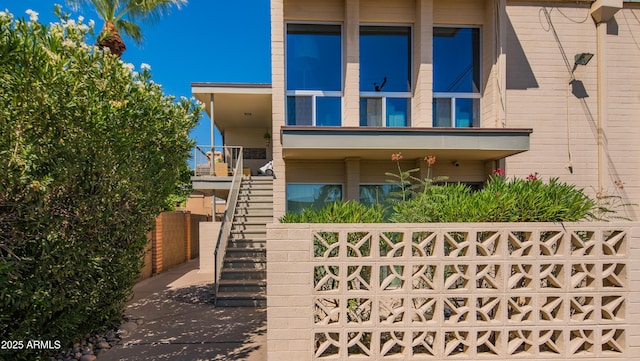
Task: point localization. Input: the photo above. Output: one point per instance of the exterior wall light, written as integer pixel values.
(582, 58)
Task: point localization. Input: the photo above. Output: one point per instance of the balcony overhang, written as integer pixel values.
(208, 185)
(473, 144)
(236, 105)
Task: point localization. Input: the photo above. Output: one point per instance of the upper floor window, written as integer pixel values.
(385, 76)
(456, 77)
(314, 74)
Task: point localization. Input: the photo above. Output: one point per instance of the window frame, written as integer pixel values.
(461, 95)
(383, 95)
(314, 94)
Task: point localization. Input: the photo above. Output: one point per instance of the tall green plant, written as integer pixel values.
(517, 200)
(402, 180)
(89, 152)
(338, 212)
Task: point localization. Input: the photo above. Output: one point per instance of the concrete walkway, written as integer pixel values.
(181, 323)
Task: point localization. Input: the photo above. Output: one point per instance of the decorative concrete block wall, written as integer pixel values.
(533, 291)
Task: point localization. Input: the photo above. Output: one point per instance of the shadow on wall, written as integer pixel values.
(519, 72)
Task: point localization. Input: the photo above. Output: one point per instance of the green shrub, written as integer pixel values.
(89, 153)
(338, 212)
(517, 200)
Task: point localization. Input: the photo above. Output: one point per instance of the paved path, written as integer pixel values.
(180, 323)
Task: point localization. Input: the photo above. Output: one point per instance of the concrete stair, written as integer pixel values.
(243, 280)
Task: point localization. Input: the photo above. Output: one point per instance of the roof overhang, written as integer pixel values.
(475, 144)
(236, 105)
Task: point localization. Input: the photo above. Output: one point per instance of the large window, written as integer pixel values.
(456, 77)
(314, 74)
(385, 76)
(377, 193)
(311, 195)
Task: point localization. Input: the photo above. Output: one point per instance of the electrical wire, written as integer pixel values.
(575, 21)
(635, 41)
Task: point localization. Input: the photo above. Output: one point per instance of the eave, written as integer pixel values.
(475, 144)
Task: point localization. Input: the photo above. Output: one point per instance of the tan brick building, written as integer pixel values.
(480, 84)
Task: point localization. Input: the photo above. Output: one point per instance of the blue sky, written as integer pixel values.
(207, 40)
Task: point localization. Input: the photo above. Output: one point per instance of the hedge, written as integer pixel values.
(89, 151)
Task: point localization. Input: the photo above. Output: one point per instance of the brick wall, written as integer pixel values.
(174, 240)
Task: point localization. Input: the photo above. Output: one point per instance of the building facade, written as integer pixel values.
(551, 87)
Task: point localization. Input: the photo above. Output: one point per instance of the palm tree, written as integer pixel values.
(124, 15)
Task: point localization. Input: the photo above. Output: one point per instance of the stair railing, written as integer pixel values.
(227, 218)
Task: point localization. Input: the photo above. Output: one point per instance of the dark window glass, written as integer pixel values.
(315, 196)
(467, 112)
(314, 57)
(456, 60)
(385, 53)
(398, 112)
(328, 111)
(442, 112)
(299, 110)
(377, 193)
(370, 112)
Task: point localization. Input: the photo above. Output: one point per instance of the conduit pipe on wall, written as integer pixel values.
(602, 11)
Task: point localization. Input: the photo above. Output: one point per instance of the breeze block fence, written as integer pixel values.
(480, 291)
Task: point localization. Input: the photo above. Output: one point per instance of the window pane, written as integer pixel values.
(314, 57)
(385, 53)
(398, 112)
(456, 60)
(315, 196)
(328, 111)
(442, 112)
(299, 110)
(467, 112)
(370, 112)
(376, 193)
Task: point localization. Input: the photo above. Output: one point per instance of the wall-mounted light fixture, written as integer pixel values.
(582, 58)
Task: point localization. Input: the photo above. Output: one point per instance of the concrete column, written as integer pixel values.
(278, 105)
(423, 65)
(501, 62)
(601, 29)
(352, 179)
(602, 11)
(351, 51)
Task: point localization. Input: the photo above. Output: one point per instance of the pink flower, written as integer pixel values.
(532, 177)
(499, 172)
(396, 156)
(431, 159)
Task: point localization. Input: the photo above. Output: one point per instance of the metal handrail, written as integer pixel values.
(227, 220)
(206, 156)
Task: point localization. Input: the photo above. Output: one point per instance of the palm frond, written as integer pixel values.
(150, 10)
(130, 28)
(106, 9)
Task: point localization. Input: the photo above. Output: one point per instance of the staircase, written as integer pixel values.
(243, 279)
